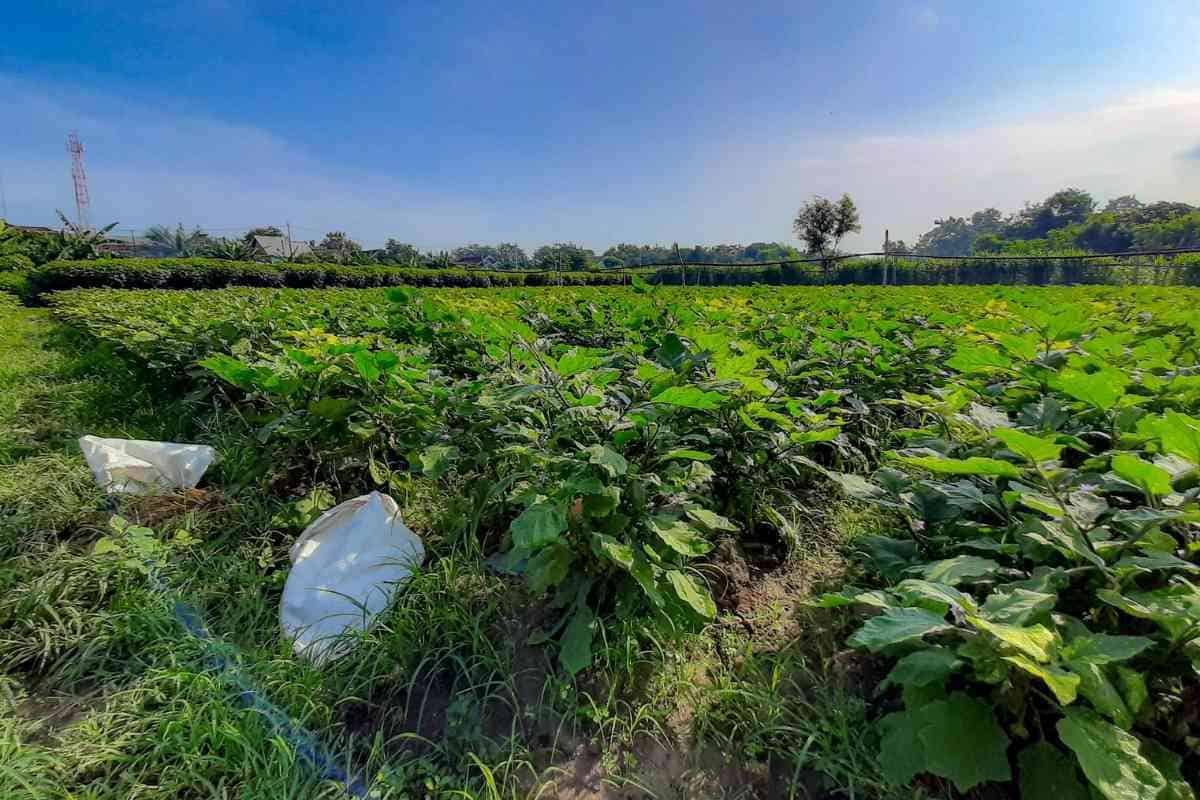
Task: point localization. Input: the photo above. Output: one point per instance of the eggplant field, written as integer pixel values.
(739, 542)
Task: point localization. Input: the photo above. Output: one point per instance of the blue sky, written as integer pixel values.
(445, 123)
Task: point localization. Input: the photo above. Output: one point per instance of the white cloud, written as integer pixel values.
(149, 167)
(904, 181)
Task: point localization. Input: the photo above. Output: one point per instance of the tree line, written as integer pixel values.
(1069, 220)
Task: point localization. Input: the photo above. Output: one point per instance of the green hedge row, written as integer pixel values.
(207, 273)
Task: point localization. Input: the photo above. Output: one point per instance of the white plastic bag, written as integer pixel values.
(133, 466)
(346, 567)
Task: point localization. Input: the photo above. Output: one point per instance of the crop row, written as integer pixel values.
(1036, 453)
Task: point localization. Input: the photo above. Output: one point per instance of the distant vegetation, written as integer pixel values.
(1067, 220)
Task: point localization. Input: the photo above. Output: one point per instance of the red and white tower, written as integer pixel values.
(75, 148)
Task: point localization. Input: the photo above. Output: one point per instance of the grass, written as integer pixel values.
(103, 694)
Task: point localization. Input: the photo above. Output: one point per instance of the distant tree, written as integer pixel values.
(505, 255)
(229, 250)
(564, 256)
(1126, 202)
(338, 247)
(1064, 207)
(74, 242)
(178, 242)
(821, 224)
(896, 247)
(395, 252)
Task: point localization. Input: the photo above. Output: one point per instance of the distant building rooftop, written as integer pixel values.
(280, 247)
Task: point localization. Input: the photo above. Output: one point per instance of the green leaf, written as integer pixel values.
(953, 571)
(689, 397)
(896, 625)
(608, 460)
(1033, 449)
(963, 742)
(643, 572)
(687, 455)
(548, 567)
(1101, 648)
(689, 591)
(575, 647)
(105, 545)
(972, 358)
(602, 503)
(711, 520)
(1110, 757)
(901, 755)
(975, 465)
(936, 597)
(364, 362)
(680, 537)
(1099, 389)
(1101, 693)
(1035, 641)
(1048, 773)
(1175, 608)
(437, 460)
(575, 362)
(230, 370)
(1152, 480)
(537, 526)
(1180, 435)
(1064, 684)
(1018, 607)
(1134, 690)
(1171, 766)
(615, 551)
(924, 668)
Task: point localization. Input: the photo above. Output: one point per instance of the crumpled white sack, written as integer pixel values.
(346, 567)
(134, 466)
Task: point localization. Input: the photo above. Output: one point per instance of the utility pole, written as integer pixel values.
(887, 252)
(682, 266)
(290, 251)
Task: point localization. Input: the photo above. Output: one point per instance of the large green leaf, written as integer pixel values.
(548, 567)
(711, 520)
(1100, 389)
(575, 648)
(1152, 480)
(1171, 767)
(978, 358)
(1018, 606)
(896, 625)
(901, 755)
(932, 665)
(1035, 641)
(1181, 435)
(576, 361)
(1101, 648)
(538, 525)
(680, 537)
(963, 742)
(615, 551)
(1110, 757)
(975, 465)
(691, 592)
(1034, 449)
(1101, 693)
(608, 460)
(1176, 608)
(690, 397)
(1048, 773)
(1064, 684)
(953, 571)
